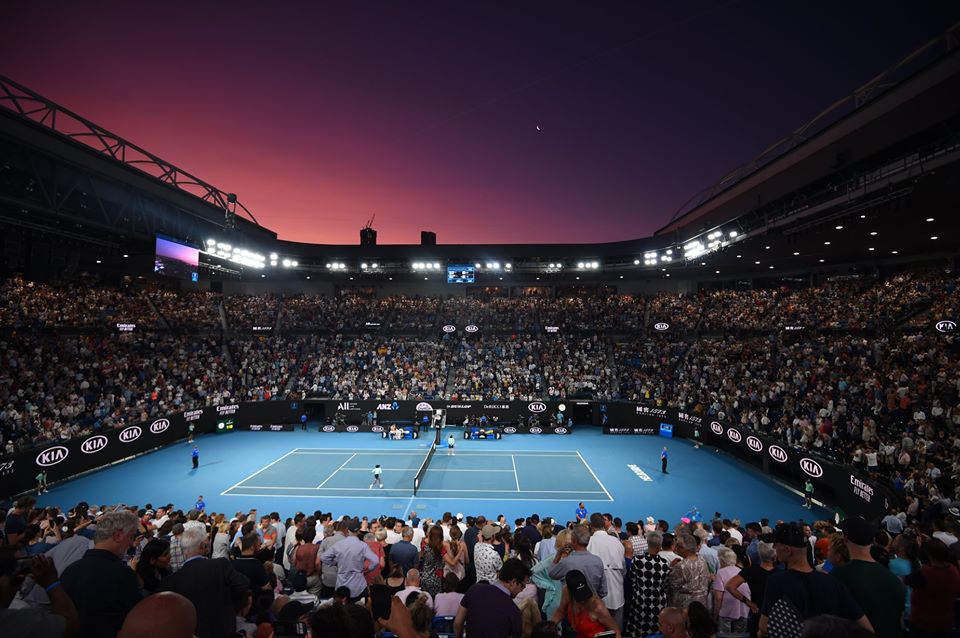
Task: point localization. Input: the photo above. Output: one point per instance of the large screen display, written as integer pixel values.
(175, 259)
(461, 274)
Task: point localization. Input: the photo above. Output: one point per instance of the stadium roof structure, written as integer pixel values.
(872, 178)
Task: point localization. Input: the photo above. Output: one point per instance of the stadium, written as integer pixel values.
(768, 381)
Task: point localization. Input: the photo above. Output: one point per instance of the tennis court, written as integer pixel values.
(498, 475)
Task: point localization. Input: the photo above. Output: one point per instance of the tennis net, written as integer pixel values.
(423, 467)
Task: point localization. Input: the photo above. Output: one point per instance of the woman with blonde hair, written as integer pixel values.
(552, 589)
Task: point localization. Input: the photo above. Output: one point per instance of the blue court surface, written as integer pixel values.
(515, 476)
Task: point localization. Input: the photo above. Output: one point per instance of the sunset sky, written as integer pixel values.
(320, 115)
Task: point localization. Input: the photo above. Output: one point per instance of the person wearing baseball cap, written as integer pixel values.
(486, 559)
(801, 591)
(582, 608)
(873, 586)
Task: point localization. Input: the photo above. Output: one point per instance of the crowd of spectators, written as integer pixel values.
(31, 305)
(188, 309)
(886, 400)
(496, 368)
(145, 571)
(246, 311)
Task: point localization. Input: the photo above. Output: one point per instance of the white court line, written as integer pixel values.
(335, 472)
(410, 469)
(425, 498)
(364, 489)
(515, 477)
(498, 452)
(595, 476)
(224, 493)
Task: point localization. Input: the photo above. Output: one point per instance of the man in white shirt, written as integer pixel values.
(610, 550)
(412, 584)
(666, 549)
(732, 530)
(393, 533)
(290, 542)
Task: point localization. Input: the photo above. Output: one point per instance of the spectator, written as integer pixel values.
(212, 585)
(488, 611)
(935, 587)
(755, 578)
(610, 550)
(352, 559)
(486, 559)
(153, 565)
(801, 591)
(162, 615)
(404, 553)
(878, 592)
(448, 601)
(648, 583)
(689, 578)
(61, 620)
(583, 609)
(412, 585)
(432, 561)
(730, 609)
(101, 586)
(592, 567)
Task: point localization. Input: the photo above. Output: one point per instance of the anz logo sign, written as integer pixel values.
(537, 407)
(734, 435)
(754, 444)
(811, 467)
(716, 428)
(52, 456)
(94, 444)
(777, 453)
(159, 426)
(130, 434)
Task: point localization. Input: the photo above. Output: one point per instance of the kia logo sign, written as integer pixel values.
(449, 328)
(352, 428)
(94, 444)
(777, 453)
(130, 434)
(377, 428)
(661, 326)
(754, 444)
(423, 406)
(159, 426)
(811, 467)
(52, 456)
(716, 428)
(733, 435)
(329, 428)
(537, 407)
(946, 326)
(536, 430)
(471, 328)
(510, 429)
(560, 431)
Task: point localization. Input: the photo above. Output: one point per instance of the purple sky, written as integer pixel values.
(319, 116)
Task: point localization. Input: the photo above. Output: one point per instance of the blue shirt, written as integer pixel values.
(349, 555)
(581, 512)
(195, 453)
(199, 505)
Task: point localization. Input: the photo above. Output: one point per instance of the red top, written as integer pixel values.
(583, 623)
(931, 606)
